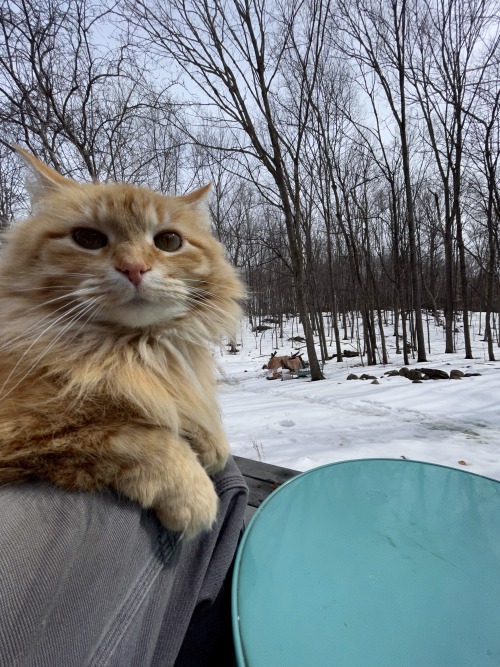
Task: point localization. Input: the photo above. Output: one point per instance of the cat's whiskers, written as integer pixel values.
(15, 290)
(79, 292)
(93, 304)
(52, 324)
(200, 281)
(211, 302)
(211, 316)
(37, 323)
(200, 302)
(67, 274)
(84, 308)
(204, 292)
(200, 295)
(208, 305)
(92, 315)
(198, 291)
(35, 326)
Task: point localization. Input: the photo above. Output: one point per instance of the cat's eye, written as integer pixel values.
(168, 241)
(90, 239)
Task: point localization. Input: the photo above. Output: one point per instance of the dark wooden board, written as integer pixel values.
(262, 479)
(264, 471)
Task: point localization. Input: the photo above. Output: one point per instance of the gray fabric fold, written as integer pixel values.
(93, 580)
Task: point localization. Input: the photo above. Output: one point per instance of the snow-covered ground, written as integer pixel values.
(301, 424)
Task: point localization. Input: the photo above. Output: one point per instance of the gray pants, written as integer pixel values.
(93, 580)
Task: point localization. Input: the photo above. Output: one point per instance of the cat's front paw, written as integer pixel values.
(191, 512)
(212, 450)
(215, 458)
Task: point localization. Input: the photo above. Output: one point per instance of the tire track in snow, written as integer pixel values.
(478, 430)
(364, 407)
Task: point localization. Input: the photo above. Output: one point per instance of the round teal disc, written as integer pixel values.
(372, 563)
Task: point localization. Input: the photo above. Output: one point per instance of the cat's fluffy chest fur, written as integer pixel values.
(110, 295)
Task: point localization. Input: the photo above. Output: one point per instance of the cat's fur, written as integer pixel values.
(105, 383)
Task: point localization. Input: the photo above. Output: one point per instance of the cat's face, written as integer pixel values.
(130, 256)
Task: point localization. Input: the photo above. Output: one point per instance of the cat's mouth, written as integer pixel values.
(138, 300)
(141, 312)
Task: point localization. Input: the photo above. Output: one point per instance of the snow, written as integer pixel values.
(301, 424)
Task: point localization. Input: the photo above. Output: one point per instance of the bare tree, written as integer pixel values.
(484, 187)
(12, 195)
(79, 104)
(375, 35)
(447, 66)
(236, 53)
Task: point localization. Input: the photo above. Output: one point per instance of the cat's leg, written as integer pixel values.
(165, 474)
(147, 464)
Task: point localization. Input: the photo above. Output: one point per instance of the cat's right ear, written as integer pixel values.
(47, 180)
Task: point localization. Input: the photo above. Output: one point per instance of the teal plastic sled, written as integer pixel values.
(372, 563)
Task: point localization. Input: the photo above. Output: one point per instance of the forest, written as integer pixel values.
(353, 147)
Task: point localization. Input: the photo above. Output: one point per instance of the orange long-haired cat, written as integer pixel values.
(109, 296)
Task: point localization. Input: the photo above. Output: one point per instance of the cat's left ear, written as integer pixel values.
(197, 201)
(198, 198)
(47, 180)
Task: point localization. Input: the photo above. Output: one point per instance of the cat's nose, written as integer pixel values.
(134, 271)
